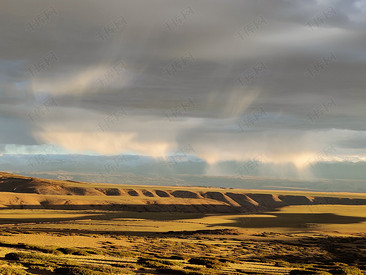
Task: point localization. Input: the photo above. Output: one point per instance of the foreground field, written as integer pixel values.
(309, 239)
(215, 252)
(331, 219)
(60, 227)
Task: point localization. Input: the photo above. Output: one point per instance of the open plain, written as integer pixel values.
(65, 227)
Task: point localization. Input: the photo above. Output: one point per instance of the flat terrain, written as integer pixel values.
(63, 227)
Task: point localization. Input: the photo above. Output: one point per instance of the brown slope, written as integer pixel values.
(31, 192)
(20, 184)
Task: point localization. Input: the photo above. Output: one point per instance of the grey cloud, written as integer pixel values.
(358, 141)
(227, 58)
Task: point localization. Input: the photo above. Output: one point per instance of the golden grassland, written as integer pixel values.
(310, 239)
(226, 252)
(286, 232)
(332, 219)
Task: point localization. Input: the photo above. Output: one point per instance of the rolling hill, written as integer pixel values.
(34, 193)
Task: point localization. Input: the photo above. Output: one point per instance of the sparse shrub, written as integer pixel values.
(302, 272)
(153, 263)
(37, 260)
(12, 271)
(120, 253)
(281, 263)
(107, 269)
(44, 249)
(127, 265)
(76, 271)
(75, 251)
(194, 270)
(12, 256)
(229, 260)
(349, 270)
(161, 261)
(208, 262)
(296, 271)
(176, 257)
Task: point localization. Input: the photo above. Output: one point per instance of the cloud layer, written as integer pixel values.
(276, 81)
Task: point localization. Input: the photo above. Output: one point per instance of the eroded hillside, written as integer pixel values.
(27, 192)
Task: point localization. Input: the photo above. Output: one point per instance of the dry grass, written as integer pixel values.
(273, 235)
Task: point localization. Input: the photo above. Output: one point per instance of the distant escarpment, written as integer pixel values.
(27, 192)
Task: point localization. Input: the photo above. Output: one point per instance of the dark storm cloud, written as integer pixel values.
(194, 70)
(15, 132)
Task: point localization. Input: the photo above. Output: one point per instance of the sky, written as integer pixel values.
(280, 82)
